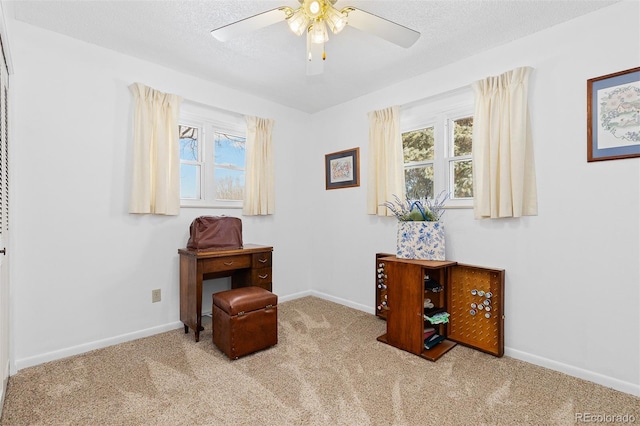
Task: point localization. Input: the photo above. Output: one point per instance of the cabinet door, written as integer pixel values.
(381, 285)
(475, 302)
(406, 304)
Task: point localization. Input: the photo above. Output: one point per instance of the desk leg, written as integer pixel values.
(199, 326)
(191, 295)
(197, 331)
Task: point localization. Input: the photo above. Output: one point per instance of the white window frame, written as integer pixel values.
(210, 121)
(440, 112)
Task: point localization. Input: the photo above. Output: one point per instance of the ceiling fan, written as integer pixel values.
(313, 17)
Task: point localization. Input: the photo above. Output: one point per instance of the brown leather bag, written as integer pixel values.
(215, 233)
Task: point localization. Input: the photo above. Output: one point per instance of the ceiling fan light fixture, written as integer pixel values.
(319, 32)
(313, 8)
(335, 19)
(298, 22)
(312, 17)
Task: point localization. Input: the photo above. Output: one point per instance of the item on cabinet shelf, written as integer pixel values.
(381, 286)
(433, 340)
(428, 332)
(383, 305)
(420, 240)
(428, 304)
(215, 233)
(439, 318)
(432, 284)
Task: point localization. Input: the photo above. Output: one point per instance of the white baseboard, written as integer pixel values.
(610, 382)
(294, 296)
(345, 302)
(19, 364)
(601, 379)
(3, 390)
(281, 299)
(320, 295)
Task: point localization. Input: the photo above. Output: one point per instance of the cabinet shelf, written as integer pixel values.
(433, 290)
(438, 350)
(432, 311)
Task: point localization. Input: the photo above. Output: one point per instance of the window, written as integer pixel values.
(436, 144)
(212, 153)
(459, 158)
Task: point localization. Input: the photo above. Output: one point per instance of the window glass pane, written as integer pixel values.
(462, 179)
(419, 181)
(190, 181)
(188, 143)
(418, 145)
(229, 166)
(462, 135)
(229, 184)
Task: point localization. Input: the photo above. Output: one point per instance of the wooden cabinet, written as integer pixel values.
(248, 266)
(417, 289)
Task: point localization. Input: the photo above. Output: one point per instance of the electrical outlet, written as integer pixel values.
(156, 296)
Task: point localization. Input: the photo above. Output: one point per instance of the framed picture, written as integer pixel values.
(613, 116)
(342, 169)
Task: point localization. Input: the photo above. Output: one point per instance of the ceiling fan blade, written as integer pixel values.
(383, 28)
(315, 60)
(249, 24)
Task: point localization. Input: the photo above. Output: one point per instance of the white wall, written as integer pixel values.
(572, 272)
(83, 269)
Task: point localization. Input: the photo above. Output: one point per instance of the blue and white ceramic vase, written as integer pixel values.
(420, 240)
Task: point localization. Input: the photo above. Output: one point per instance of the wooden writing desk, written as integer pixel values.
(250, 265)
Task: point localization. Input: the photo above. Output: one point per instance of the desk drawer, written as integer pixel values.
(261, 277)
(226, 263)
(262, 260)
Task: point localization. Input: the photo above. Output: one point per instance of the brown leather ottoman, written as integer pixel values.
(245, 320)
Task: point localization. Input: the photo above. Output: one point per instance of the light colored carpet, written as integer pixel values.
(327, 369)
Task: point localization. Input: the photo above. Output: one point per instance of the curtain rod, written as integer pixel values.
(437, 96)
(203, 105)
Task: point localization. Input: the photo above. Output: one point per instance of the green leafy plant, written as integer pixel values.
(418, 210)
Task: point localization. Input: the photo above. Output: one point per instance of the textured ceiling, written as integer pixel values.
(271, 62)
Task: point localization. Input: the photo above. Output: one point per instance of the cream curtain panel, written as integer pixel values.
(386, 163)
(259, 195)
(504, 179)
(156, 154)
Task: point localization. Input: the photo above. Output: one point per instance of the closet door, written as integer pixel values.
(4, 225)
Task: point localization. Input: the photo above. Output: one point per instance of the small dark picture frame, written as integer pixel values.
(613, 116)
(342, 169)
